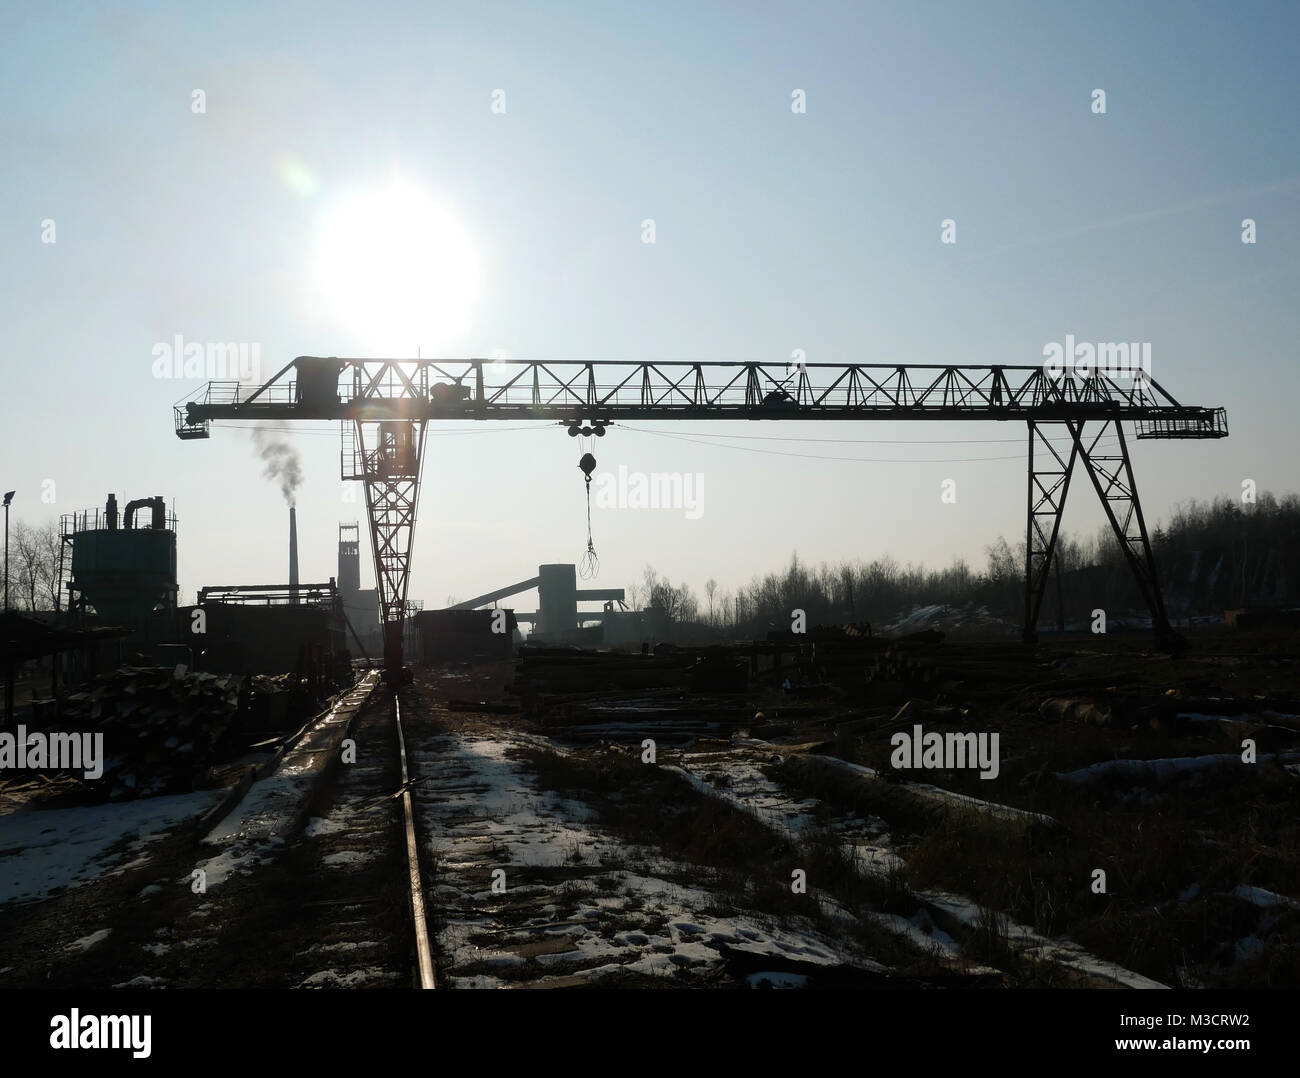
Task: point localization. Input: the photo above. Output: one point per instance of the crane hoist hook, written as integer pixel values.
(590, 564)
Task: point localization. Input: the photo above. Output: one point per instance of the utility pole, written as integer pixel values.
(9, 663)
(9, 496)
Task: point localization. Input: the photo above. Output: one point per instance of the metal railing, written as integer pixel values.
(1206, 423)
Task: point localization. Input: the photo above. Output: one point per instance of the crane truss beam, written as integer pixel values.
(575, 391)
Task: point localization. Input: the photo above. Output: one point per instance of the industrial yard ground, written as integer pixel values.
(771, 841)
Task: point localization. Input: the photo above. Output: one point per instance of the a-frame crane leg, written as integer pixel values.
(1048, 486)
(387, 458)
(1112, 477)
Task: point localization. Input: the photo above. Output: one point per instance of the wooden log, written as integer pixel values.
(928, 800)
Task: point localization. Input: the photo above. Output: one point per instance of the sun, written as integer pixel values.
(396, 268)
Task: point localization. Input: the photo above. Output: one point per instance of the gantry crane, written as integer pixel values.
(386, 404)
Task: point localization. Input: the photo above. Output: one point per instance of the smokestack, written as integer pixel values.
(293, 554)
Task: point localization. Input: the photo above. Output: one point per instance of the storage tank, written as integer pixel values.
(557, 592)
(125, 572)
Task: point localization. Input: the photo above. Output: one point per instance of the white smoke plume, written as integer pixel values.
(282, 462)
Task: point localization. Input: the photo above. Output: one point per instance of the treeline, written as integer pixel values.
(1210, 556)
(33, 566)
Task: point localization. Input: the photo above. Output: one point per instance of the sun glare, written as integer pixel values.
(396, 268)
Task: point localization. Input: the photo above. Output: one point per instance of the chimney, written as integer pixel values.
(293, 554)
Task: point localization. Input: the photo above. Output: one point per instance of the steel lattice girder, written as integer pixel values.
(388, 458)
(1048, 488)
(582, 391)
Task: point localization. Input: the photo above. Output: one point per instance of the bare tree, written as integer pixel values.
(23, 569)
(33, 565)
(651, 581)
(688, 606)
(674, 603)
(711, 589)
(51, 551)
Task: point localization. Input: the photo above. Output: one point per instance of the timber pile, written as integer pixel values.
(162, 728)
(273, 683)
(575, 670)
(557, 671)
(851, 638)
(921, 664)
(272, 701)
(581, 688)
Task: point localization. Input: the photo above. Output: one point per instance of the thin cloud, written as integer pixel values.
(1142, 217)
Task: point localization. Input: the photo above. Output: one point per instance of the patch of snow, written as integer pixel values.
(481, 809)
(224, 865)
(348, 857)
(1264, 899)
(87, 942)
(323, 826)
(345, 946)
(42, 851)
(330, 978)
(1161, 770)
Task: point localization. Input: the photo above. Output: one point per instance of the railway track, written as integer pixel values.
(359, 858)
(313, 880)
(419, 924)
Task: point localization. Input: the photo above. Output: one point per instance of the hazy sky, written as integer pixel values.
(257, 219)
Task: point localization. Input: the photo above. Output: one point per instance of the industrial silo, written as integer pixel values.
(124, 567)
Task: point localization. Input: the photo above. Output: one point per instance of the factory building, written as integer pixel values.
(558, 619)
(269, 628)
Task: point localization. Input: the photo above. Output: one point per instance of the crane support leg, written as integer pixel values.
(1112, 477)
(1048, 485)
(387, 457)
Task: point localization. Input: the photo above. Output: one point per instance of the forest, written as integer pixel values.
(1210, 556)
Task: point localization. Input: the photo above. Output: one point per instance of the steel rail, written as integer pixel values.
(423, 952)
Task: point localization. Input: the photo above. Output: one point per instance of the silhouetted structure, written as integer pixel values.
(390, 401)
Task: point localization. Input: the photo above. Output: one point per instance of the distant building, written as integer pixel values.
(360, 606)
